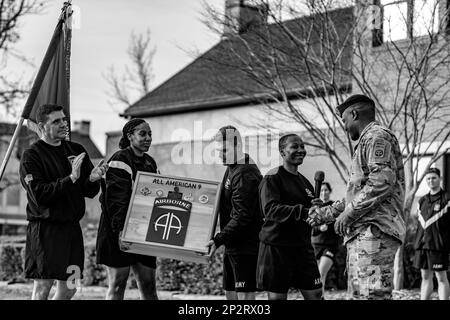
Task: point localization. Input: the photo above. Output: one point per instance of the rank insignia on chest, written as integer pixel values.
(309, 193)
(437, 207)
(227, 184)
(362, 196)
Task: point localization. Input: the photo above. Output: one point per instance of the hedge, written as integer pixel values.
(11, 257)
(172, 275)
(412, 275)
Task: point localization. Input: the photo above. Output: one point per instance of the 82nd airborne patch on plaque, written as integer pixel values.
(169, 221)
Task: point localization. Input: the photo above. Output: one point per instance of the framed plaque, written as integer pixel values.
(171, 217)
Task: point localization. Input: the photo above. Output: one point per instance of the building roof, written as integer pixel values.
(218, 79)
(26, 136)
(7, 129)
(87, 143)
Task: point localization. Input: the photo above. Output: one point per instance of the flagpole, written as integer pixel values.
(64, 8)
(21, 120)
(11, 147)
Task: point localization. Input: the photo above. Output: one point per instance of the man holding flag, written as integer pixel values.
(51, 84)
(57, 174)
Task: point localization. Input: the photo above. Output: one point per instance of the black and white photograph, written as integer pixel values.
(224, 154)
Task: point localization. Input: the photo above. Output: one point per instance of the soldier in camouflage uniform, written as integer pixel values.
(371, 216)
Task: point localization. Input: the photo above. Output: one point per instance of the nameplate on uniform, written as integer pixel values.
(171, 217)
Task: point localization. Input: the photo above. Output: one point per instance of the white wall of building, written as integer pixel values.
(182, 143)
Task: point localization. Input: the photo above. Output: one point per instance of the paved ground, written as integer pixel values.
(22, 291)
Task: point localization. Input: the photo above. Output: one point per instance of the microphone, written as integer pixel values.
(319, 176)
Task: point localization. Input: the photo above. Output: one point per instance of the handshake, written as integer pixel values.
(316, 214)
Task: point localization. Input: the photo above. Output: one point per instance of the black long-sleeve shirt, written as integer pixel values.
(117, 187)
(45, 174)
(433, 229)
(285, 199)
(240, 216)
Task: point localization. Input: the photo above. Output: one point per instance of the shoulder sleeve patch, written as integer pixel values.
(381, 151)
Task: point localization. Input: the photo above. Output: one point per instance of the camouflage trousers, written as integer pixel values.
(370, 264)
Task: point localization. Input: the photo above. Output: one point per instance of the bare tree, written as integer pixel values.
(136, 79)
(302, 68)
(13, 87)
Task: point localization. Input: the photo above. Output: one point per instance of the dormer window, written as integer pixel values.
(425, 17)
(395, 20)
(406, 19)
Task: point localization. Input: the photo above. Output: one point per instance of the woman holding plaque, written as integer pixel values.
(115, 198)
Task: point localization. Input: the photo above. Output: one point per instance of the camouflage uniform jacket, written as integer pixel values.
(375, 190)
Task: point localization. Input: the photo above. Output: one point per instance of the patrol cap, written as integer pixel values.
(356, 98)
(434, 170)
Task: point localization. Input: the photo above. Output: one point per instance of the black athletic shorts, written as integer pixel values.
(239, 272)
(53, 250)
(429, 259)
(324, 251)
(109, 253)
(281, 268)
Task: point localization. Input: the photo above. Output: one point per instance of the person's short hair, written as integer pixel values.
(328, 186)
(229, 132)
(44, 110)
(283, 140)
(355, 99)
(434, 170)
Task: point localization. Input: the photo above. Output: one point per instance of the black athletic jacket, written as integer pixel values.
(285, 200)
(45, 174)
(117, 187)
(240, 217)
(433, 229)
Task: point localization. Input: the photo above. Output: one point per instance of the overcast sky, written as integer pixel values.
(102, 40)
